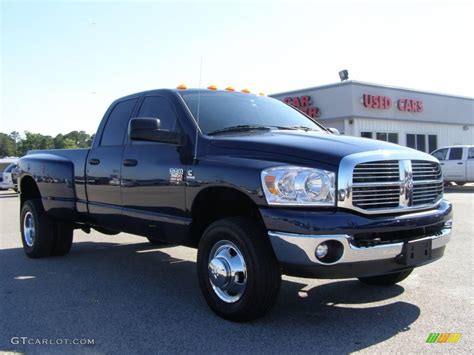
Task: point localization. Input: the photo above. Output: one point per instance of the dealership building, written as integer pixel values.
(417, 119)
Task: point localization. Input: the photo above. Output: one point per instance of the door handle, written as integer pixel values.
(94, 161)
(442, 163)
(460, 163)
(130, 162)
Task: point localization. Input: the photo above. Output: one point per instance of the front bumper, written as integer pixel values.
(300, 232)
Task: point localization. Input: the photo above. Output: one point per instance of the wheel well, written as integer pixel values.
(215, 203)
(28, 189)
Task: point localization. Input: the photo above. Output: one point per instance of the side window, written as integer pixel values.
(159, 107)
(366, 134)
(114, 130)
(470, 154)
(455, 154)
(440, 154)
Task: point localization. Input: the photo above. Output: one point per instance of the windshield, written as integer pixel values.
(219, 110)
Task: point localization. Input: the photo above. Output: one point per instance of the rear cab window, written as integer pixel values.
(117, 123)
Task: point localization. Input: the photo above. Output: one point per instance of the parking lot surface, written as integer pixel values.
(131, 297)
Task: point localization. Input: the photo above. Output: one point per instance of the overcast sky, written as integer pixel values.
(62, 63)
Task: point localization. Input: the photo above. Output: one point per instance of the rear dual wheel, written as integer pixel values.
(40, 234)
(238, 273)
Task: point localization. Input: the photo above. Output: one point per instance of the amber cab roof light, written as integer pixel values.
(181, 87)
(212, 87)
(247, 91)
(230, 88)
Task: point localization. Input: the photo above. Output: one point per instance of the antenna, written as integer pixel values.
(198, 109)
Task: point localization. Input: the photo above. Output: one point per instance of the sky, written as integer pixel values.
(64, 62)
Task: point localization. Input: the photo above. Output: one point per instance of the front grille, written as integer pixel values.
(381, 171)
(394, 184)
(369, 179)
(426, 193)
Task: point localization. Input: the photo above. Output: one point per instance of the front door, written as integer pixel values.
(153, 179)
(454, 168)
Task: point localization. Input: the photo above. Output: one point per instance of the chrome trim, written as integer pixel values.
(406, 182)
(294, 248)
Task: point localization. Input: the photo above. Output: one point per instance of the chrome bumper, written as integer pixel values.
(297, 249)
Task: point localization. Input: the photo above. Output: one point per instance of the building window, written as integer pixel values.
(393, 138)
(387, 137)
(432, 143)
(417, 141)
(366, 134)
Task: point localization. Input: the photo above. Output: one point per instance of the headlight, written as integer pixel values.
(293, 185)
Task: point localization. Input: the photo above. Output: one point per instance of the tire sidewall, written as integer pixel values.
(29, 207)
(213, 235)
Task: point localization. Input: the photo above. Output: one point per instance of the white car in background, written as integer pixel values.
(8, 178)
(457, 163)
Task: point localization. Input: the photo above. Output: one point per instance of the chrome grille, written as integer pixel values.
(396, 184)
(425, 170)
(381, 171)
(428, 182)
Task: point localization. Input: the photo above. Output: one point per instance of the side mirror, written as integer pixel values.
(334, 131)
(148, 129)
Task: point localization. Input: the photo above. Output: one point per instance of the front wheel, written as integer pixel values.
(460, 183)
(386, 280)
(238, 273)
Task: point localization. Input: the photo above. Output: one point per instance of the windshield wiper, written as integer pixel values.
(304, 128)
(240, 128)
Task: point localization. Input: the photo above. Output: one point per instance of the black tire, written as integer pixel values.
(37, 230)
(263, 277)
(48, 238)
(460, 183)
(155, 241)
(386, 280)
(62, 238)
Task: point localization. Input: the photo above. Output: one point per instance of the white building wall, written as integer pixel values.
(448, 134)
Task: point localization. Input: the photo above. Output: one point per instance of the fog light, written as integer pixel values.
(321, 250)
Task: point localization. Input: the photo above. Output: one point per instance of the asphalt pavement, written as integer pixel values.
(119, 294)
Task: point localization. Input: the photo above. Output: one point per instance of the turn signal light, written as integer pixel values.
(212, 87)
(181, 87)
(230, 88)
(247, 91)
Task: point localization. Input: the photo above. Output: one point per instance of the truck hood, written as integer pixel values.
(320, 147)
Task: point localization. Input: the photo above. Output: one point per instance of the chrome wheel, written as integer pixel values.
(227, 271)
(29, 232)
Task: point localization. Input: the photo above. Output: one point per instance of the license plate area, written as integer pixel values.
(416, 252)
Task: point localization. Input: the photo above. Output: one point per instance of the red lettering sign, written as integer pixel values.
(409, 105)
(376, 101)
(304, 104)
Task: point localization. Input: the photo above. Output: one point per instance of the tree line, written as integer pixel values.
(17, 145)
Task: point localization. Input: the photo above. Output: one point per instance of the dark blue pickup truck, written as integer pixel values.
(257, 186)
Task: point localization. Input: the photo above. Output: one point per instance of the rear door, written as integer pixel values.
(454, 167)
(470, 164)
(153, 178)
(103, 168)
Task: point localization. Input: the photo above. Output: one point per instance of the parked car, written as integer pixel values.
(9, 178)
(457, 163)
(258, 187)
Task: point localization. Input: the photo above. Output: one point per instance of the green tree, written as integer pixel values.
(7, 145)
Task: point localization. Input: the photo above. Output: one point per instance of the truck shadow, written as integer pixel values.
(137, 298)
(459, 189)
